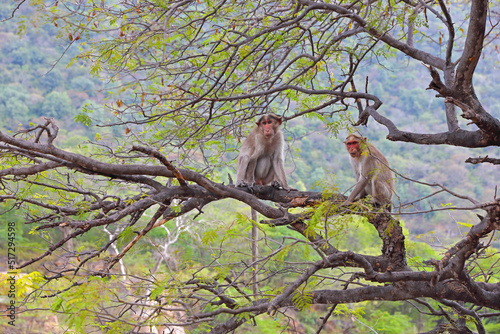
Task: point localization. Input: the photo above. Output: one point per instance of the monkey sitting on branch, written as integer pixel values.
(261, 159)
(373, 175)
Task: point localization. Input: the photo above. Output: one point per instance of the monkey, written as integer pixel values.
(373, 175)
(261, 161)
(261, 158)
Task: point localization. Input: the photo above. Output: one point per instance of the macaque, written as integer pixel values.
(373, 175)
(261, 159)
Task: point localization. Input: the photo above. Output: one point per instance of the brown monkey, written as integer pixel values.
(373, 175)
(261, 159)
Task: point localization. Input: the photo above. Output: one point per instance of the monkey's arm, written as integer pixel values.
(250, 173)
(246, 169)
(359, 189)
(279, 170)
(243, 161)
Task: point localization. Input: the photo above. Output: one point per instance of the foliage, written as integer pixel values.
(127, 246)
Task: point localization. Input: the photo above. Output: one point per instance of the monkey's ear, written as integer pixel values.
(279, 120)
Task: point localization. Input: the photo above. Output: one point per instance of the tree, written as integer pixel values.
(14, 106)
(52, 80)
(196, 72)
(56, 105)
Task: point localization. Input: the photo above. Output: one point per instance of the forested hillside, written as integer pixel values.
(105, 107)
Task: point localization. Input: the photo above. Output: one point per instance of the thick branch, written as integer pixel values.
(163, 160)
(473, 47)
(460, 137)
(30, 170)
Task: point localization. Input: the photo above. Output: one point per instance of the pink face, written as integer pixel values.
(267, 126)
(353, 147)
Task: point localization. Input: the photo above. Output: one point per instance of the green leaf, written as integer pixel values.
(209, 237)
(157, 291)
(57, 304)
(465, 224)
(302, 300)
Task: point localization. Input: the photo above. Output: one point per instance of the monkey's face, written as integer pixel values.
(268, 127)
(353, 147)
